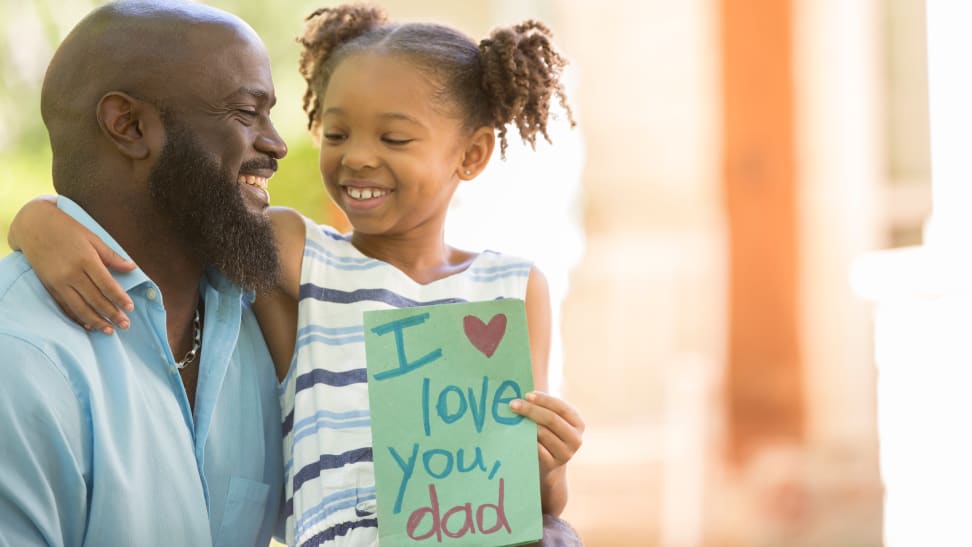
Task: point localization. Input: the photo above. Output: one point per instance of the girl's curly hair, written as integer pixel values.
(507, 78)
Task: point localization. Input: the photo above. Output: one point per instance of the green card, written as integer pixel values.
(453, 464)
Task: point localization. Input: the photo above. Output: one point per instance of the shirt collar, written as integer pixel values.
(127, 280)
(134, 278)
(215, 279)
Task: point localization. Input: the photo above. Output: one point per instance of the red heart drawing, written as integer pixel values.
(486, 337)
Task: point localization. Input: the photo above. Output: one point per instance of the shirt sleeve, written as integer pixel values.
(43, 447)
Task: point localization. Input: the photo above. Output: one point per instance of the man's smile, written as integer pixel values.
(259, 185)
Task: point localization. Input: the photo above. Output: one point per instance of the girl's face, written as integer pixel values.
(390, 155)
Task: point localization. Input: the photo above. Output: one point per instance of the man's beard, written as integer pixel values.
(206, 209)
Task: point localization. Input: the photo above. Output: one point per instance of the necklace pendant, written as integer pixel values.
(196, 343)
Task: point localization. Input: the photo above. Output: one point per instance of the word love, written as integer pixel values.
(452, 404)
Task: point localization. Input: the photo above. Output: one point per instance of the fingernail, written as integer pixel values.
(129, 307)
(124, 324)
(107, 330)
(532, 396)
(516, 404)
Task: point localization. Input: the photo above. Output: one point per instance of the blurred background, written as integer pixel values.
(761, 290)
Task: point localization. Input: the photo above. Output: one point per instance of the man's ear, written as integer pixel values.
(123, 119)
(478, 151)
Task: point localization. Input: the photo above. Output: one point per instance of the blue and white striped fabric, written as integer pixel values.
(327, 429)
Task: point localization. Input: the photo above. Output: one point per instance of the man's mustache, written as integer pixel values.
(264, 163)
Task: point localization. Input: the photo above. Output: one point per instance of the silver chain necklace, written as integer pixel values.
(196, 343)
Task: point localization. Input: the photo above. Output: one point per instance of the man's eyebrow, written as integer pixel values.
(259, 94)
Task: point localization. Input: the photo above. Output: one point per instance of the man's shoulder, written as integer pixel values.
(12, 268)
(32, 365)
(41, 350)
(30, 315)
(21, 292)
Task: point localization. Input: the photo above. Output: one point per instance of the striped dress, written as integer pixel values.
(330, 484)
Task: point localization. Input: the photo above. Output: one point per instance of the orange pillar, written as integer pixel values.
(764, 378)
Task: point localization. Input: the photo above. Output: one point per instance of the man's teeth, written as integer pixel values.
(365, 193)
(252, 180)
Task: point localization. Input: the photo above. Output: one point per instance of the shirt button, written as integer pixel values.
(151, 293)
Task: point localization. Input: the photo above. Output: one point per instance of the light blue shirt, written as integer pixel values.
(98, 445)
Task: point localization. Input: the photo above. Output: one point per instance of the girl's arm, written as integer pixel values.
(559, 426)
(276, 311)
(538, 325)
(72, 263)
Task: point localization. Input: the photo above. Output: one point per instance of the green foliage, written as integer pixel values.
(28, 174)
(26, 47)
(298, 183)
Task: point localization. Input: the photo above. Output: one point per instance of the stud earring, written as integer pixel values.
(468, 172)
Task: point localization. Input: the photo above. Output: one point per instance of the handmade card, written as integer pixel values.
(453, 464)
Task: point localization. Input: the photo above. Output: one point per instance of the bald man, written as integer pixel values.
(167, 433)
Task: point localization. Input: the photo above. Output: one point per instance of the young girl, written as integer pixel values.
(403, 114)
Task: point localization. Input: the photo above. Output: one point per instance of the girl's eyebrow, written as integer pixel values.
(338, 111)
(400, 116)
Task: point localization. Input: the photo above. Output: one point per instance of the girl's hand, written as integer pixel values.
(559, 428)
(72, 263)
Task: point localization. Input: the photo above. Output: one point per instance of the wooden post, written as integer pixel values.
(764, 377)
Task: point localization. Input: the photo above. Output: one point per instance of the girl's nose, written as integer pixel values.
(358, 156)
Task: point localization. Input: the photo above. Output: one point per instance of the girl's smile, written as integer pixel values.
(364, 196)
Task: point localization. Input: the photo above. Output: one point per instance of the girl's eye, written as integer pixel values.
(334, 137)
(396, 141)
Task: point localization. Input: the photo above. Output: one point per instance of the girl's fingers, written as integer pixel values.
(552, 413)
(559, 427)
(95, 298)
(106, 284)
(70, 314)
(560, 451)
(547, 461)
(110, 258)
(78, 308)
(558, 406)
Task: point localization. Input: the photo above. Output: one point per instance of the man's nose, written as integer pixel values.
(271, 143)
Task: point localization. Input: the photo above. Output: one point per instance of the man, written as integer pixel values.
(167, 433)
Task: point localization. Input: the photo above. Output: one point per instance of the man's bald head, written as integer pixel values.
(145, 49)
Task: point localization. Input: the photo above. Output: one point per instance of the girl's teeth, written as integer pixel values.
(365, 193)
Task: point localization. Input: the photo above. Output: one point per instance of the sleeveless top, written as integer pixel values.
(330, 482)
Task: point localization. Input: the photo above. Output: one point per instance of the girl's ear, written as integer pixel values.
(122, 118)
(477, 153)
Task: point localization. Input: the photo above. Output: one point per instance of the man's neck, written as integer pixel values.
(162, 255)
